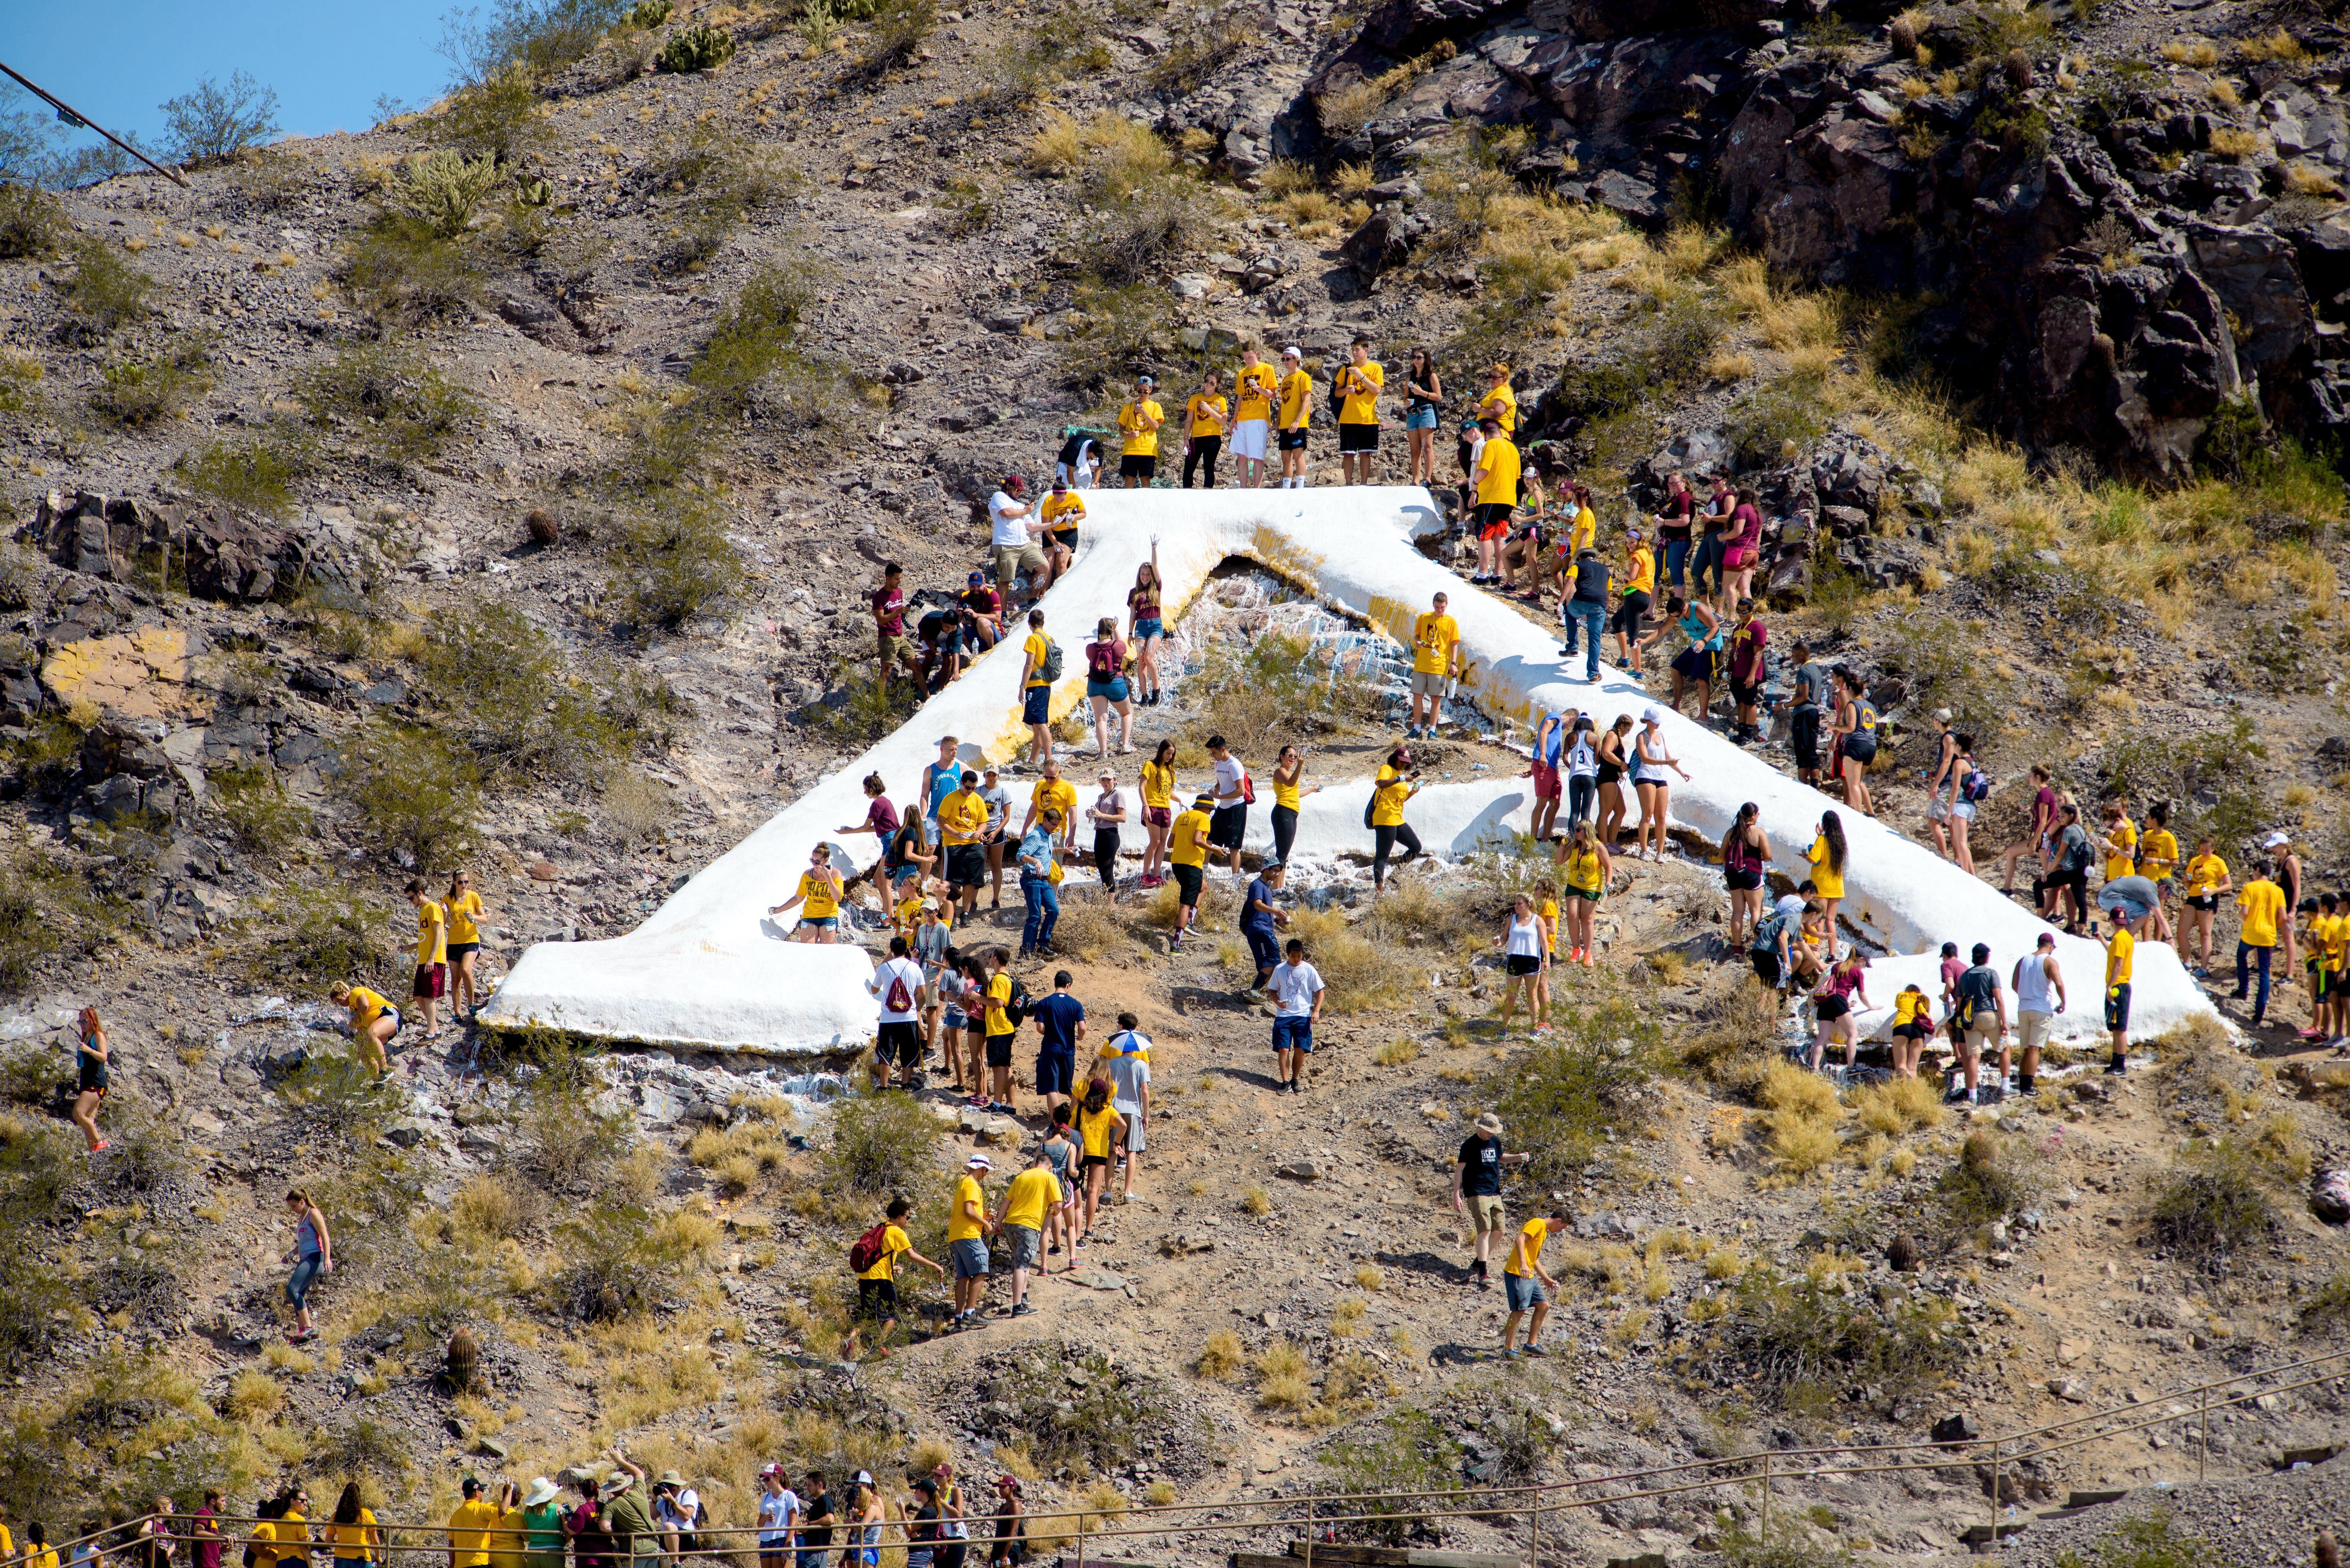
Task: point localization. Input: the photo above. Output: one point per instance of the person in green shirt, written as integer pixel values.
(625, 1518)
(542, 1526)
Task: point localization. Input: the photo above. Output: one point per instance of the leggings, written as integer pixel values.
(1203, 448)
(1384, 840)
(1579, 791)
(1284, 832)
(1106, 855)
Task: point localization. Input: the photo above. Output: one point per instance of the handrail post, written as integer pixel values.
(1992, 1544)
(2202, 1432)
(1534, 1531)
(1081, 1535)
(1309, 1532)
(1766, 1500)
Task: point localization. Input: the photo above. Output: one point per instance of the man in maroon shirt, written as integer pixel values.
(208, 1532)
(889, 623)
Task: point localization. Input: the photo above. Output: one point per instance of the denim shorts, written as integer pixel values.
(1149, 627)
(1110, 691)
(1421, 418)
(1523, 1290)
(1036, 705)
(969, 1259)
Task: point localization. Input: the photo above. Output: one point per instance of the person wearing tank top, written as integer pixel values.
(1582, 775)
(1525, 956)
(2039, 986)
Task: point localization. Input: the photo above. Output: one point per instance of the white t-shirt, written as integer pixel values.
(1296, 985)
(1230, 771)
(1011, 531)
(891, 969)
(775, 1517)
(1128, 1075)
(998, 803)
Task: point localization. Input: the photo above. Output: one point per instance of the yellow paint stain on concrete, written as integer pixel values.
(142, 674)
(1281, 556)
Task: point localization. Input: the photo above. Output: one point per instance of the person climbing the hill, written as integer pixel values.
(1835, 1008)
(1639, 589)
(1496, 486)
(1585, 868)
(1525, 957)
(1106, 688)
(1477, 1187)
(1980, 1010)
(1747, 665)
(895, 985)
(1252, 390)
(1297, 991)
(962, 834)
(2117, 840)
(1673, 522)
(1288, 771)
(1108, 814)
(1520, 1276)
(1435, 664)
(432, 957)
(1052, 791)
(888, 605)
(1425, 389)
(1826, 856)
(1583, 612)
(313, 1255)
(1020, 1224)
(1397, 782)
(1079, 460)
(1807, 689)
(877, 1282)
(1040, 666)
(2038, 983)
(464, 911)
(2207, 881)
(1211, 418)
(1014, 527)
(1126, 1057)
(1965, 785)
(1581, 772)
(1745, 857)
(1712, 549)
(1062, 511)
(2264, 905)
(1040, 877)
(1360, 382)
(374, 1021)
(2065, 878)
(1060, 1030)
(1614, 756)
(1547, 751)
(1138, 419)
(1144, 629)
(1297, 390)
(1498, 404)
(1855, 728)
(2157, 858)
(1233, 790)
(91, 1053)
(1102, 1132)
(1691, 624)
(982, 613)
(1157, 789)
(1741, 550)
(969, 1225)
(1650, 758)
(2042, 828)
(1262, 917)
(820, 891)
(1186, 856)
(940, 779)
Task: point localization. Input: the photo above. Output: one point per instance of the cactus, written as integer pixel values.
(648, 13)
(534, 193)
(2019, 71)
(1903, 36)
(462, 1365)
(700, 47)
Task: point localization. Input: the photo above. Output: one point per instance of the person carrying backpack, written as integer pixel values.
(897, 985)
(1968, 786)
(2066, 873)
(1040, 666)
(873, 1259)
(1007, 1005)
(1979, 1008)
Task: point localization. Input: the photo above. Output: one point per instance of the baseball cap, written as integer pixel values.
(1111, 773)
(991, 769)
(976, 578)
(1014, 482)
(2276, 840)
(1653, 715)
(1293, 352)
(1143, 382)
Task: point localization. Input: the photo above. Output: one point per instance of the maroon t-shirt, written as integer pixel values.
(883, 817)
(890, 605)
(1678, 510)
(208, 1541)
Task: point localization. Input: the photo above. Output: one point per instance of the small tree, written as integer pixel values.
(216, 121)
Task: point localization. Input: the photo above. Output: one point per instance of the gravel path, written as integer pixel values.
(2264, 1519)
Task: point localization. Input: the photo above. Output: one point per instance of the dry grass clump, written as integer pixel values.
(1368, 1277)
(2277, 45)
(1360, 973)
(1350, 108)
(2191, 52)
(1281, 1380)
(1802, 1112)
(2233, 142)
(1090, 925)
(1396, 1052)
(1221, 1357)
(2310, 180)
(1256, 1202)
(1897, 1105)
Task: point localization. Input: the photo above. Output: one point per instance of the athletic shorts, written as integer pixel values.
(1766, 964)
(2118, 998)
(1828, 1009)
(1588, 895)
(1978, 1040)
(459, 949)
(1227, 826)
(968, 1258)
(1493, 519)
(1358, 438)
(1248, 439)
(1158, 816)
(1428, 683)
(1485, 1210)
(2203, 902)
(966, 865)
(1139, 465)
(1741, 881)
(1913, 1031)
(900, 1043)
(1066, 538)
(1522, 963)
(1264, 947)
(1744, 693)
(1036, 705)
(1293, 441)
(1023, 1245)
(1294, 1034)
(1523, 1290)
(1135, 1142)
(999, 1050)
(1188, 882)
(1057, 1071)
(877, 1299)
(431, 981)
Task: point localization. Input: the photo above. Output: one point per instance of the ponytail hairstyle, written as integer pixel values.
(1832, 830)
(874, 786)
(1746, 815)
(1106, 629)
(2157, 812)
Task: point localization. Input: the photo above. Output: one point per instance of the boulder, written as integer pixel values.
(224, 555)
(1628, 18)
(1403, 27)
(1384, 241)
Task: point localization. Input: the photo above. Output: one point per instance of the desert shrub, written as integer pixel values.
(1118, 332)
(1590, 1078)
(540, 35)
(2217, 1200)
(105, 290)
(1397, 1472)
(507, 700)
(212, 120)
(401, 273)
(1140, 231)
(1795, 1543)
(753, 336)
(364, 1450)
(637, 807)
(1766, 421)
(1797, 1336)
(322, 933)
(253, 474)
(141, 392)
(880, 1144)
(2327, 1309)
(2154, 1540)
(1221, 1357)
(663, 448)
(32, 222)
(1077, 1408)
(1059, 41)
(415, 794)
(1801, 1111)
(497, 118)
(698, 47)
(1360, 973)
(271, 180)
(2203, 773)
(899, 28)
(675, 563)
(1996, 1175)
(341, 1097)
(1273, 689)
(562, 1139)
(442, 189)
(392, 396)
(140, 1284)
(36, 1166)
(1897, 1105)
(617, 1258)
(146, 1152)
(1517, 296)
(1199, 52)
(45, 907)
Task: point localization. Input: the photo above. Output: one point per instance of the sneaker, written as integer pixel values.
(976, 1103)
(1175, 943)
(2118, 1068)
(1001, 1108)
(1533, 1349)
(1508, 1354)
(1024, 1309)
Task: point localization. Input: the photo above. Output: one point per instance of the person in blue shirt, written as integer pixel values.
(1060, 1026)
(1036, 866)
(1260, 918)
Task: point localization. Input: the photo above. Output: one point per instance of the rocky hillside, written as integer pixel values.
(499, 489)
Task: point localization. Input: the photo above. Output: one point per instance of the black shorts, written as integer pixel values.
(2203, 902)
(901, 1042)
(1741, 881)
(2117, 1006)
(1358, 438)
(1916, 1030)
(93, 1076)
(459, 949)
(1766, 963)
(877, 1299)
(1493, 519)
(1522, 963)
(1828, 1009)
(966, 865)
(1066, 538)
(1292, 440)
(1093, 1159)
(1744, 693)
(1188, 881)
(1136, 465)
(1860, 747)
(999, 1050)
(1227, 826)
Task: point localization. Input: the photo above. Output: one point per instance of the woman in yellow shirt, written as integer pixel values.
(2158, 854)
(1286, 774)
(1210, 417)
(1101, 1131)
(1826, 856)
(464, 907)
(1158, 811)
(353, 1532)
(374, 1021)
(2207, 879)
(1397, 782)
(1499, 402)
(1139, 422)
(1913, 1020)
(1586, 867)
(820, 890)
(1639, 589)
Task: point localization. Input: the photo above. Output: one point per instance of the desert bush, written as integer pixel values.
(2327, 1309)
(882, 1144)
(45, 907)
(364, 1450)
(2217, 1200)
(141, 392)
(617, 1257)
(698, 47)
(1996, 1175)
(146, 1154)
(1796, 1543)
(341, 1097)
(442, 189)
(1273, 689)
(1796, 1336)
(1897, 1105)
(637, 807)
(2205, 774)
(507, 700)
(1765, 420)
(415, 794)
(675, 563)
(1118, 332)
(32, 222)
(392, 396)
(401, 273)
(899, 28)
(1221, 1357)
(1400, 1470)
(322, 933)
(214, 120)
(540, 35)
(1361, 974)
(253, 474)
(491, 1209)
(497, 118)
(753, 336)
(2154, 1540)
(1140, 230)
(1198, 51)
(1078, 1410)
(1061, 40)
(1589, 1079)
(562, 1139)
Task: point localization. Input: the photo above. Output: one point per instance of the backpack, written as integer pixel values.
(866, 1250)
(900, 999)
(1016, 1006)
(1975, 786)
(1050, 670)
(1370, 806)
(1248, 789)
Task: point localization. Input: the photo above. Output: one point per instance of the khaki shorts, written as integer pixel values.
(1485, 1210)
(894, 650)
(1979, 1041)
(2031, 1029)
(1428, 683)
(1010, 558)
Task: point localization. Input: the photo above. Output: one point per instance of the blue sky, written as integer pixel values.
(115, 60)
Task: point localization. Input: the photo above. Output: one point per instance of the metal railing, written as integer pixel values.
(1317, 1512)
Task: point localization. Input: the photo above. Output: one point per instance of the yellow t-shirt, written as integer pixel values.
(1296, 398)
(962, 816)
(1058, 794)
(1432, 636)
(1158, 786)
(1284, 795)
(1825, 878)
(1908, 1006)
(908, 916)
(1062, 511)
(1036, 649)
(461, 911)
(431, 933)
(1534, 1235)
(817, 890)
(1587, 528)
(351, 1539)
(893, 1241)
(2119, 953)
(1388, 795)
(1187, 841)
(2263, 901)
(2122, 860)
(507, 1543)
(1206, 413)
(1550, 923)
(1098, 1127)
(1499, 462)
(1502, 404)
(999, 997)
(2204, 873)
(1583, 872)
(365, 1006)
(2334, 935)
(1643, 578)
(1253, 385)
(1032, 1192)
(961, 1227)
(2157, 852)
(1359, 386)
(1141, 435)
(468, 1532)
(261, 1537)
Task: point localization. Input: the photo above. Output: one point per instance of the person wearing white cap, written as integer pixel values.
(1296, 390)
(1649, 760)
(968, 1226)
(779, 1515)
(1108, 811)
(1477, 1187)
